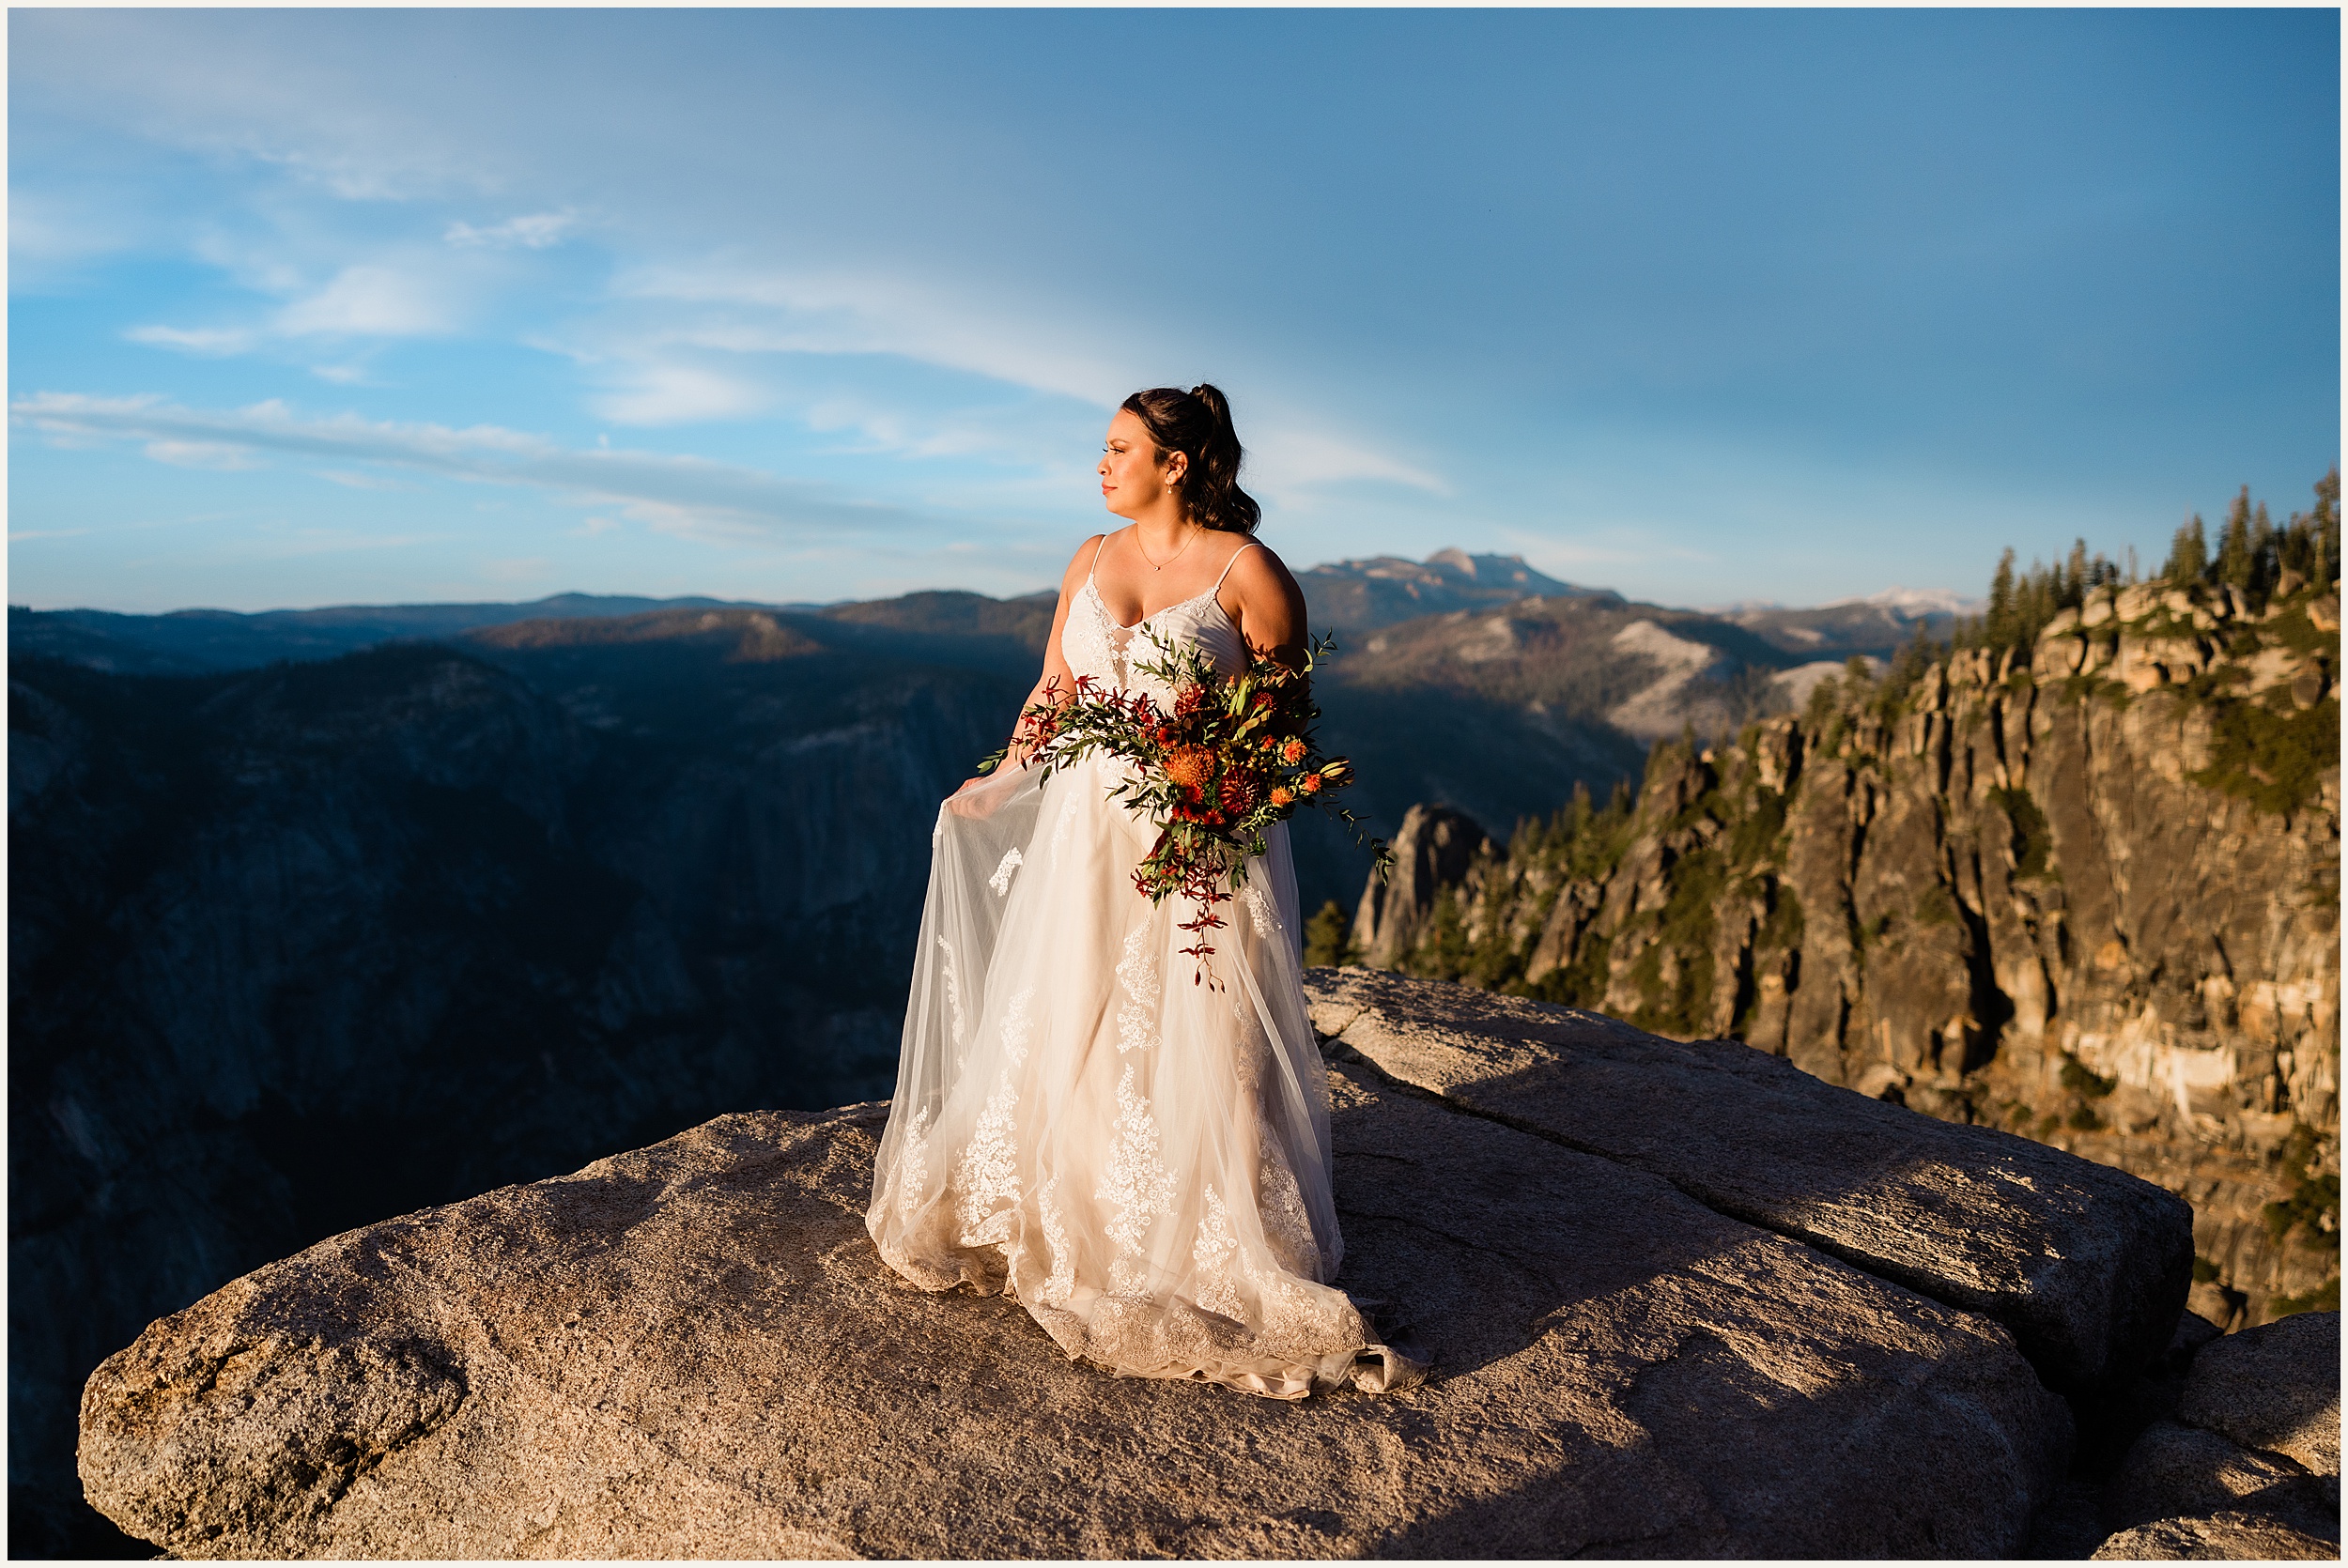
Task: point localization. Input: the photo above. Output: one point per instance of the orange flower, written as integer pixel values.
(1294, 752)
(1190, 766)
(1310, 783)
(1282, 795)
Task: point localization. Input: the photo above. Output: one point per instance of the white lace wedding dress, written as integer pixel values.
(1143, 1160)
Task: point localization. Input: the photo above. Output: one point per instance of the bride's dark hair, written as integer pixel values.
(1197, 424)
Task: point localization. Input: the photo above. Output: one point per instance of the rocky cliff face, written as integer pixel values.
(2088, 893)
(1709, 1342)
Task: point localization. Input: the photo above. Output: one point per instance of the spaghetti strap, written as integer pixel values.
(1228, 565)
(1096, 558)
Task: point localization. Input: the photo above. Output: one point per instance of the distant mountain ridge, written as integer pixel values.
(201, 641)
(1358, 595)
(1874, 627)
(1383, 590)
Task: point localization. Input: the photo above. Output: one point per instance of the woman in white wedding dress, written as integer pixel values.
(1143, 1160)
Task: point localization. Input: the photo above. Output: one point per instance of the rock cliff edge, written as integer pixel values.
(1683, 1300)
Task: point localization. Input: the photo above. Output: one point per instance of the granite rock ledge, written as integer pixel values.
(2086, 1265)
(692, 1350)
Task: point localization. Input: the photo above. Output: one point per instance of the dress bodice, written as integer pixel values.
(1096, 646)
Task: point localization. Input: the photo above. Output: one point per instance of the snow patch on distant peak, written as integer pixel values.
(1916, 601)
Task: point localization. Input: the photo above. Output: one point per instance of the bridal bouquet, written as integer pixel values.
(1234, 755)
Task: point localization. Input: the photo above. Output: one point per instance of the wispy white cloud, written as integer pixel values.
(400, 298)
(675, 394)
(53, 233)
(871, 312)
(533, 231)
(672, 324)
(221, 456)
(687, 496)
(1282, 456)
(373, 302)
(259, 86)
(219, 341)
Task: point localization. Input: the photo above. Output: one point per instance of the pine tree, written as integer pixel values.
(1998, 625)
(2081, 577)
(2189, 555)
(2237, 565)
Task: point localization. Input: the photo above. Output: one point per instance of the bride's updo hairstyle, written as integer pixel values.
(1197, 424)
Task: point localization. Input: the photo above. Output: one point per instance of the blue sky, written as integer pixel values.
(315, 307)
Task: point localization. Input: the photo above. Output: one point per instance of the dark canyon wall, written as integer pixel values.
(297, 948)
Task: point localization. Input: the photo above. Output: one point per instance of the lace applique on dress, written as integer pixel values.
(1090, 630)
(1000, 881)
(1015, 1027)
(1298, 1319)
(1137, 973)
(1287, 1227)
(1211, 1253)
(913, 1166)
(1138, 1183)
(1259, 910)
(1067, 821)
(988, 1172)
(1251, 1049)
(1062, 1283)
(953, 990)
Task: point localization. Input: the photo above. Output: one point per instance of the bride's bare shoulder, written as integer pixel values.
(1255, 566)
(1080, 563)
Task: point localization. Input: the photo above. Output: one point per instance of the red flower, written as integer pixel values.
(1236, 794)
(1186, 701)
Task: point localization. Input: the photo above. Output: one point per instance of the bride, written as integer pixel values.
(1141, 1160)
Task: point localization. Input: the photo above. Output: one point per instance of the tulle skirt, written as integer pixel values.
(1139, 1155)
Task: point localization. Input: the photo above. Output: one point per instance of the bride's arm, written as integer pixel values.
(1057, 679)
(1267, 605)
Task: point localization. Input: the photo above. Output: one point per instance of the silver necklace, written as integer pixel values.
(1161, 565)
